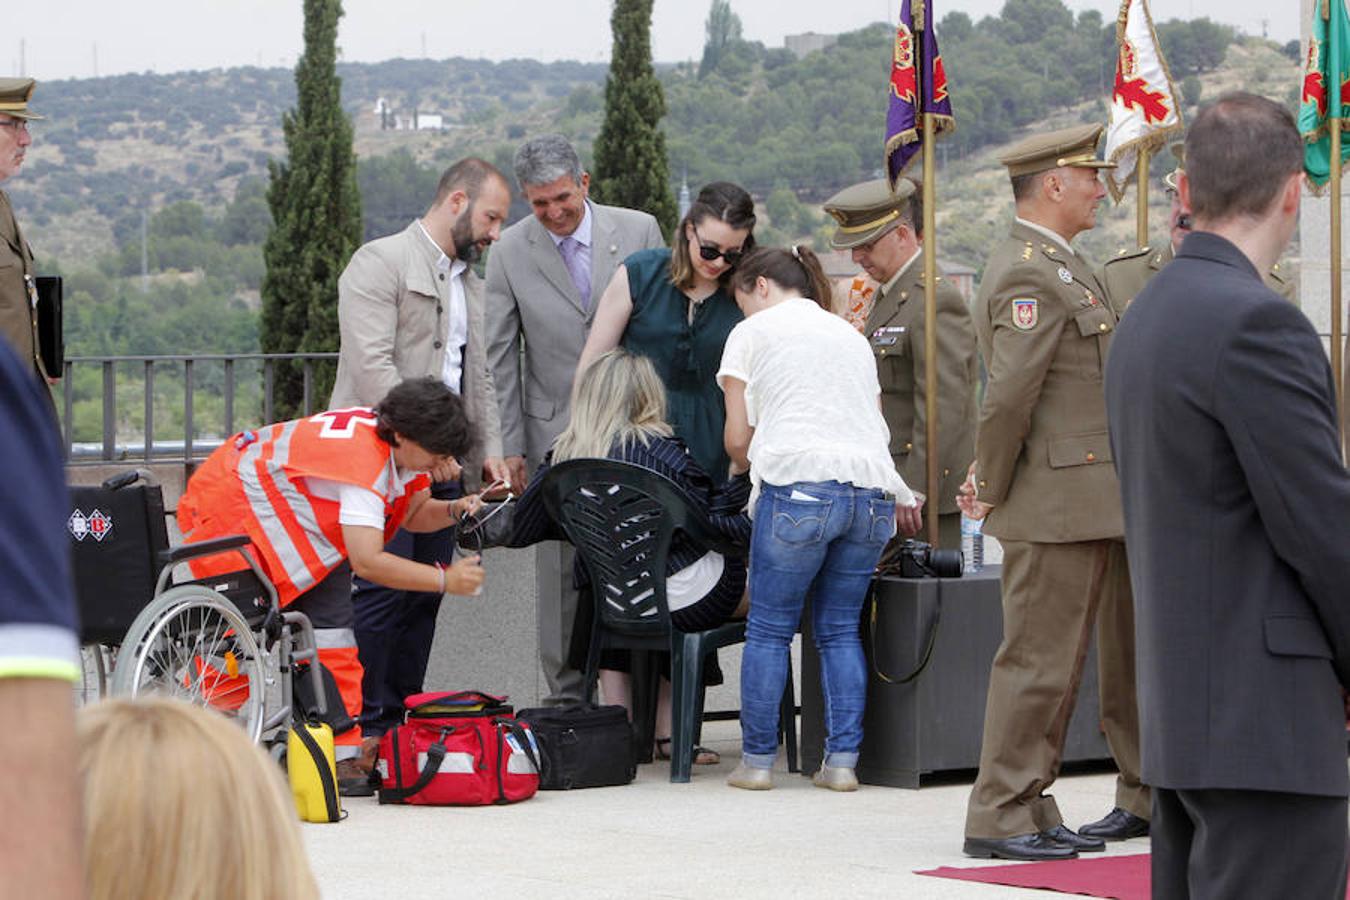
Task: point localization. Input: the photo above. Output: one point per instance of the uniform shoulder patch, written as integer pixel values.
(1025, 313)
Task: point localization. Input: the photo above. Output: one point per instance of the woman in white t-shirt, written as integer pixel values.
(803, 413)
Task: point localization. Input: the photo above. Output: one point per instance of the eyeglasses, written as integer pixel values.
(17, 124)
(711, 252)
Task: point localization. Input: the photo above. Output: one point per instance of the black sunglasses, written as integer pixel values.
(710, 252)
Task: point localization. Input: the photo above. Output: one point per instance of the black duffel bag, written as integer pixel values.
(582, 745)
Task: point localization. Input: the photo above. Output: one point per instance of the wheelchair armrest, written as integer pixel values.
(203, 548)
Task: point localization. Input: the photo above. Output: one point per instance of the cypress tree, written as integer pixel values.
(721, 30)
(316, 217)
(630, 151)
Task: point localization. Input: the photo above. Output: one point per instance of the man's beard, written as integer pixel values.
(461, 234)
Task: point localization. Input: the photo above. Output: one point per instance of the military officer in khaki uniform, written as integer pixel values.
(1125, 276)
(18, 285)
(883, 230)
(1043, 476)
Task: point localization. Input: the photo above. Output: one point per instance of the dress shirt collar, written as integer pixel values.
(900, 272)
(582, 235)
(1052, 235)
(443, 263)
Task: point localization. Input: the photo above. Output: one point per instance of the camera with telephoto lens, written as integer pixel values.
(922, 560)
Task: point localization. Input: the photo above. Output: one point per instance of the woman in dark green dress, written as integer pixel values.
(672, 306)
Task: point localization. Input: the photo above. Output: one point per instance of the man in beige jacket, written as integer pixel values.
(409, 305)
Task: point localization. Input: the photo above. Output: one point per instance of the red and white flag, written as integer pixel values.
(1145, 111)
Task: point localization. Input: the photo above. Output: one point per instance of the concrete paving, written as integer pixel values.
(657, 839)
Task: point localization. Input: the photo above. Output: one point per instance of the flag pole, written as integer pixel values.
(1334, 125)
(930, 342)
(1141, 182)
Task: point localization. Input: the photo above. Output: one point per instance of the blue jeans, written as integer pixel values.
(827, 545)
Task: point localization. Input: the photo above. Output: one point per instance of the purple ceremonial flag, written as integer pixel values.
(910, 96)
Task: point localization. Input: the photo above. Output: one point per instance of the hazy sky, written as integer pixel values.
(68, 38)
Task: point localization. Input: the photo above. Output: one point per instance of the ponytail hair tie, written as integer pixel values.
(795, 255)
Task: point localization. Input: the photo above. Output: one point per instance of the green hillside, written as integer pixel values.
(170, 170)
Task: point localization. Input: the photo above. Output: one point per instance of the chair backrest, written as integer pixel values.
(117, 535)
(621, 518)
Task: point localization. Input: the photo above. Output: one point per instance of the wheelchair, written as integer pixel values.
(222, 642)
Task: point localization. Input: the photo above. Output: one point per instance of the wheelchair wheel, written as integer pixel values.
(192, 643)
(94, 665)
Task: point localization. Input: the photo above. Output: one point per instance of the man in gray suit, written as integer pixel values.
(409, 305)
(543, 281)
(1236, 500)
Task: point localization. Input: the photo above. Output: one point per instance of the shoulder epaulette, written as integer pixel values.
(1127, 253)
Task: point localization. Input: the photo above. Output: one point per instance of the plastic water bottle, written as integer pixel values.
(972, 544)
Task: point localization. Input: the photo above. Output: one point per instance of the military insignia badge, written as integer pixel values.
(1025, 313)
(1065, 275)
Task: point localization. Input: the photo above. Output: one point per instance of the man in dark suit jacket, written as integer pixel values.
(1236, 502)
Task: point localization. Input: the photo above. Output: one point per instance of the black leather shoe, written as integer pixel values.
(1079, 842)
(1023, 846)
(1118, 825)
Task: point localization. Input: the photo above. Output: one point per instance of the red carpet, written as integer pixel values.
(1120, 877)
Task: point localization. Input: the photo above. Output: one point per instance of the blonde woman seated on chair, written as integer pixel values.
(178, 802)
(619, 412)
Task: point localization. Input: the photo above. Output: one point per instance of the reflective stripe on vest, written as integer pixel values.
(334, 638)
(299, 550)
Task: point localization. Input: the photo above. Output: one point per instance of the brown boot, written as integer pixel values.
(370, 752)
(354, 779)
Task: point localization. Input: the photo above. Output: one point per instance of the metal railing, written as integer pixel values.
(189, 447)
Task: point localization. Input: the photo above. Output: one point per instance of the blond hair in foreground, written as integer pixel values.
(619, 398)
(179, 803)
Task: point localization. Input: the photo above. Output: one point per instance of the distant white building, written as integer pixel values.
(810, 42)
(419, 121)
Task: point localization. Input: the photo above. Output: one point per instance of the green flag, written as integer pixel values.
(1325, 81)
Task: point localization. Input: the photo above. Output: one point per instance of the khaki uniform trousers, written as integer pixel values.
(1052, 595)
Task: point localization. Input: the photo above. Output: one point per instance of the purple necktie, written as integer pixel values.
(579, 267)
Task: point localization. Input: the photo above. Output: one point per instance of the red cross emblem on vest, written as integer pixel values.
(341, 423)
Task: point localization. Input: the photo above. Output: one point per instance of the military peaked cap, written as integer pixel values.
(14, 96)
(1170, 179)
(1076, 147)
(866, 211)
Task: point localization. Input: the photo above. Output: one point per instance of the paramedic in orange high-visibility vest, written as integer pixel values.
(320, 497)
